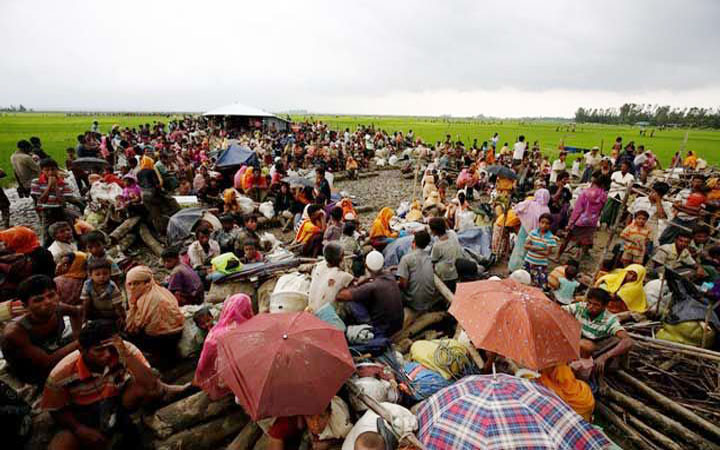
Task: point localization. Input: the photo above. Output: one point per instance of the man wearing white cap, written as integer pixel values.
(375, 300)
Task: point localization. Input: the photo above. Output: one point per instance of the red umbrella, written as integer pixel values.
(518, 322)
(284, 364)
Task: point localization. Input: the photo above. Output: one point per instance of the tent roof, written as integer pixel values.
(238, 109)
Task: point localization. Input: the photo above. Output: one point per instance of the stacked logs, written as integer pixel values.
(668, 398)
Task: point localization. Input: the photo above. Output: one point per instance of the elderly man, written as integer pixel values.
(602, 336)
(375, 300)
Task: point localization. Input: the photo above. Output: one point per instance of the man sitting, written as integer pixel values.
(328, 278)
(377, 301)
(416, 278)
(35, 342)
(602, 335)
(90, 392)
(183, 282)
(676, 256)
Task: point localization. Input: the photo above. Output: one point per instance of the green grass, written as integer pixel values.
(663, 143)
(58, 131)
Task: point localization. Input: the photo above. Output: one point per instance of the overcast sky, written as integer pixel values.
(505, 58)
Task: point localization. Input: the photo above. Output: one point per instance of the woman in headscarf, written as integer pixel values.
(71, 274)
(311, 230)
(230, 203)
(24, 241)
(502, 227)
(529, 212)
(576, 393)
(236, 310)
(586, 214)
(154, 320)
(380, 233)
(428, 184)
(690, 161)
(626, 287)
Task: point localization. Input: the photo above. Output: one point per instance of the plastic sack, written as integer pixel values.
(291, 293)
(425, 382)
(652, 292)
(328, 314)
(247, 206)
(380, 390)
(688, 333)
(267, 209)
(424, 352)
(393, 160)
(106, 192)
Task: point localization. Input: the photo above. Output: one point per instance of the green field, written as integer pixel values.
(58, 131)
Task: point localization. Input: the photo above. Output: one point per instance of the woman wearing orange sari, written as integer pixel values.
(576, 393)
(380, 233)
(310, 231)
(154, 320)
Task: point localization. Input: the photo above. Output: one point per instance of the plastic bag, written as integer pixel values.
(267, 209)
(291, 293)
(688, 333)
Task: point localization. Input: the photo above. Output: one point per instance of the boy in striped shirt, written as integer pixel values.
(540, 244)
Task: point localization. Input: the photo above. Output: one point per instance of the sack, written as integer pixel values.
(688, 333)
(424, 382)
(291, 293)
(440, 356)
(328, 314)
(267, 209)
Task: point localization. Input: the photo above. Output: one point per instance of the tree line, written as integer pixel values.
(654, 115)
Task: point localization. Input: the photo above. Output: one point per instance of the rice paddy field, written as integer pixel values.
(59, 130)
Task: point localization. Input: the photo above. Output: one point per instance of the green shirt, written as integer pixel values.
(601, 327)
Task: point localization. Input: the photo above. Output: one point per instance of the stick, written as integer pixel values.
(706, 325)
(417, 169)
(655, 436)
(677, 347)
(664, 422)
(670, 405)
(378, 409)
(246, 438)
(124, 228)
(627, 431)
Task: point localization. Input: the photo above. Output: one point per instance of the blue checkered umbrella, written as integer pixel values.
(503, 412)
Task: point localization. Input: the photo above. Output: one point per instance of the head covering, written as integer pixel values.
(632, 293)
(381, 225)
(374, 260)
(347, 207)
(153, 310)
(228, 196)
(20, 239)
(78, 269)
(433, 200)
(521, 276)
(146, 162)
(236, 310)
(530, 210)
(415, 213)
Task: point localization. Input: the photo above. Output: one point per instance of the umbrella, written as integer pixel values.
(182, 223)
(284, 364)
(502, 171)
(299, 181)
(518, 322)
(503, 412)
(235, 156)
(89, 164)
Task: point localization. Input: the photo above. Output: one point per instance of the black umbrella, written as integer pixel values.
(90, 164)
(502, 171)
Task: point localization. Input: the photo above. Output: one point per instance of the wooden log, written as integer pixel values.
(628, 432)
(124, 228)
(648, 431)
(364, 209)
(670, 405)
(676, 347)
(149, 240)
(667, 424)
(185, 413)
(378, 409)
(420, 324)
(443, 289)
(247, 437)
(126, 241)
(206, 436)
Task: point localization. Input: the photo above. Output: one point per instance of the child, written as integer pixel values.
(565, 293)
(62, 234)
(183, 282)
(635, 237)
(334, 227)
(100, 296)
(202, 250)
(540, 244)
(251, 254)
(95, 246)
(348, 240)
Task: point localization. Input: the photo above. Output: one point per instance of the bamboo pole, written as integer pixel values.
(670, 405)
(706, 325)
(680, 348)
(628, 432)
(654, 435)
(670, 425)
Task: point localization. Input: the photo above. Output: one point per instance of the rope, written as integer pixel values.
(453, 359)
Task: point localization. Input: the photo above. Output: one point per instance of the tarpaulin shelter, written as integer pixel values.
(241, 116)
(234, 157)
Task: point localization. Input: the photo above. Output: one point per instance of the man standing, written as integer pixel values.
(558, 166)
(25, 168)
(519, 150)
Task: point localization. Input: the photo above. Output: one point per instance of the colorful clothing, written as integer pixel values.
(602, 326)
(381, 225)
(576, 393)
(635, 242)
(540, 245)
(631, 293)
(538, 274)
(102, 303)
(153, 310)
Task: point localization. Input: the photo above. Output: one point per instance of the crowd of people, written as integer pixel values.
(124, 319)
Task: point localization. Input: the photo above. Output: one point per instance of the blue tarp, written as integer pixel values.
(236, 156)
(475, 242)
